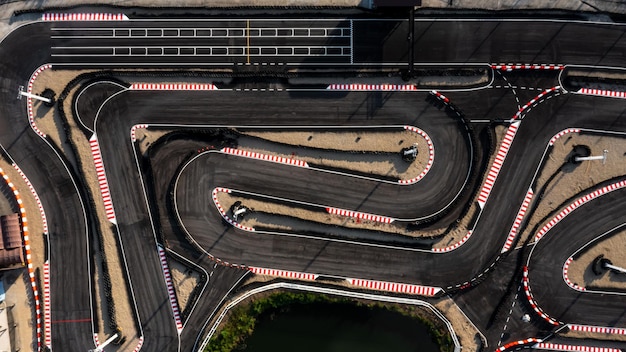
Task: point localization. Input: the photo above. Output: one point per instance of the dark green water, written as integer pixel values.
(338, 327)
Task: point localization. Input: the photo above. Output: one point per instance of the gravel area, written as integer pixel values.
(465, 330)
(184, 280)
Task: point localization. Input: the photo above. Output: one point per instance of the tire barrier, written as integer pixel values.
(31, 268)
(172, 86)
(518, 114)
(602, 93)
(566, 278)
(283, 273)
(497, 164)
(529, 296)
(223, 212)
(454, 246)
(517, 343)
(47, 316)
(579, 202)
(264, 157)
(597, 329)
(37, 200)
(562, 133)
(428, 291)
(431, 156)
(511, 67)
(518, 221)
(102, 179)
(84, 17)
(29, 100)
(373, 87)
(170, 289)
(573, 348)
(359, 215)
(134, 129)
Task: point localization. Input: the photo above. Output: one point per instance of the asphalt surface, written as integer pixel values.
(376, 43)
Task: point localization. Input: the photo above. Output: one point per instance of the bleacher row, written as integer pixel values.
(265, 157)
(359, 215)
(223, 212)
(566, 278)
(518, 221)
(431, 156)
(29, 100)
(170, 289)
(102, 179)
(83, 17)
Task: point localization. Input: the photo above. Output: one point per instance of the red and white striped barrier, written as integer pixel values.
(359, 215)
(517, 343)
(431, 156)
(454, 246)
(47, 316)
(170, 289)
(529, 296)
(566, 278)
(96, 341)
(84, 17)
(518, 221)
(373, 87)
(597, 329)
(134, 129)
(518, 114)
(511, 67)
(265, 157)
(580, 201)
(602, 93)
(172, 86)
(396, 287)
(562, 133)
(139, 344)
(29, 100)
(441, 96)
(573, 348)
(31, 269)
(102, 179)
(223, 212)
(497, 164)
(36, 196)
(283, 273)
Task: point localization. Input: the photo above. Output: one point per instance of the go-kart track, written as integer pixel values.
(164, 203)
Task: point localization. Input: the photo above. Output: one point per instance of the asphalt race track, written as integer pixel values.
(145, 191)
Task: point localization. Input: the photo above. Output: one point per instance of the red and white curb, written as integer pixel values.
(396, 287)
(223, 212)
(133, 129)
(170, 289)
(373, 87)
(31, 269)
(139, 344)
(36, 196)
(172, 86)
(580, 201)
(441, 96)
(597, 329)
(47, 317)
(518, 221)
(454, 246)
(102, 179)
(566, 278)
(359, 215)
(573, 348)
(529, 296)
(518, 114)
(96, 341)
(29, 100)
(562, 133)
(84, 17)
(511, 67)
(283, 273)
(517, 343)
(497, 164)
(431, 156)
(265, 157)
(602, 93)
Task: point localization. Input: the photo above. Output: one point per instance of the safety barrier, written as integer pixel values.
(597, 329)
(517, 343)
(283, 273)
(29, 100)
(373, 87)
(170, 289)
(602, 93)
(518, 114)
(396, 287)
(102, 179)
(497, 164)
(265, 157)
(84, 17)
(359, 215)
(47, 316)
(223, 212)
(573, 348)
(518, 221)
(562, 133)
(530, 299)
(566, 278)
(454, 246)
(431, 156)
(134, 129)
(511, 67)
(172, 86)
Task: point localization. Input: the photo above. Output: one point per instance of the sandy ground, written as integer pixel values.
(595, 336)
(185, 281)
(465, 330)
(573, 180)
(146, 137)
